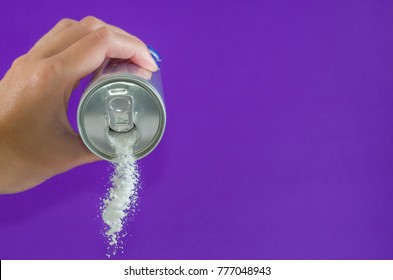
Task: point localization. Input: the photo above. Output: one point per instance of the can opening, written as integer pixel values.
(126, 139)
(120, 113)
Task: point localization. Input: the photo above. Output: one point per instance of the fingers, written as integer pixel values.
(62, 25)
(73, 33)
(87, 54)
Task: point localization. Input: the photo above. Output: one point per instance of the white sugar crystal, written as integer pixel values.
(121, 199)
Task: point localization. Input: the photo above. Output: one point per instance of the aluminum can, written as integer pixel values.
(122, 98)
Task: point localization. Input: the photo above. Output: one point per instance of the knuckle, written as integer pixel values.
(20, 61)
(66, 22)
(103, 34)
(90, 22)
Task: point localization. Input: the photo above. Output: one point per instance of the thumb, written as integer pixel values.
(82, 154)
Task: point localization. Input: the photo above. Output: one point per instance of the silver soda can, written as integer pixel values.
(122, 98)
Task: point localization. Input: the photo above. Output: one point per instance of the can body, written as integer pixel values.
(122, 98)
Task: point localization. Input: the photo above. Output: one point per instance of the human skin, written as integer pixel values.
(36, 138)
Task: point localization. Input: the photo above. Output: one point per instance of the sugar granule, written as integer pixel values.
(121, 199)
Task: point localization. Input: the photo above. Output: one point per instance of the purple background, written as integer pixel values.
(279, 142)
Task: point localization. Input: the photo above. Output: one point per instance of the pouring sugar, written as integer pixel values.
(121, 199)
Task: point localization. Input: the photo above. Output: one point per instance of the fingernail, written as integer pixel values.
(156, 56)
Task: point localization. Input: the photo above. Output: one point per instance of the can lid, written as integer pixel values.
(102, 108)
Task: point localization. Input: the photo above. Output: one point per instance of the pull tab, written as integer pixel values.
(119, 108)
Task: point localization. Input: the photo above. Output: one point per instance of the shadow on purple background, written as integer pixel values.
(279, 143)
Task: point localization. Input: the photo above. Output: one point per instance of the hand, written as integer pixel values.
(36, 139)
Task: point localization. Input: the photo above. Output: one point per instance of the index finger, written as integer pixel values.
(59, 41)
(87, 54)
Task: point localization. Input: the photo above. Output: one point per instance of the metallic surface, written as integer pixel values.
(123, 98)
